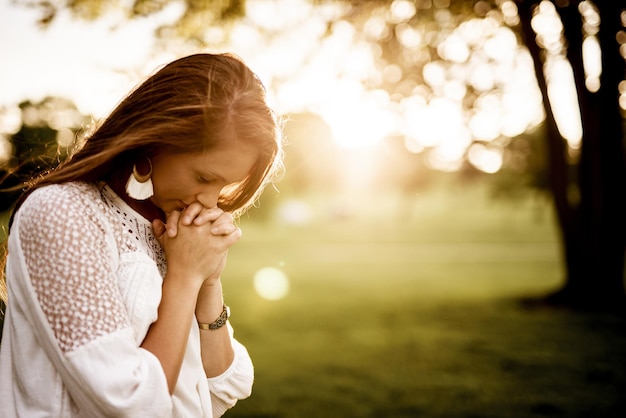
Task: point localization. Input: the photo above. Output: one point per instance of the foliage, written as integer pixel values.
(405, 47)
(197, 15)
(47, 133)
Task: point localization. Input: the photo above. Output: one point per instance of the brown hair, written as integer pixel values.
(193, 104)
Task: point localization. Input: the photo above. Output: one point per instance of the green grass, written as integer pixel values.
(420, 316)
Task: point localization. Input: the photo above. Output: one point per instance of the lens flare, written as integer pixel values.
(271, 283)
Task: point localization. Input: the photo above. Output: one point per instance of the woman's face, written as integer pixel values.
(182, 179)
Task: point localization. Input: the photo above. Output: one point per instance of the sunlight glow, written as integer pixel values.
(562, 93)
(558, 72)
(431, 124)
(502, 46)
(482, 76)
(401, 10)
(92, 63)
(360, 121)
(454, 49)
(434, 73)
(592, 58)
(441, 159)
(358, 169)
(486, 159)
(275, 14)
(521, 100)
(592, 53)
(271, 283)
(376, 27)
(6, 149)
(408, 36)
(509, 12)
(10, 119)
(484, 124)
(622, 94)
(65, 137)
(509, 104)
(295, 212)
(548, 27)
(311, 60)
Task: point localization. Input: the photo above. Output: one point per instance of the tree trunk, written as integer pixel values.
(592, 228)
(598, 280)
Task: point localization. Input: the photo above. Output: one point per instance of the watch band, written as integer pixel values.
(219, 322)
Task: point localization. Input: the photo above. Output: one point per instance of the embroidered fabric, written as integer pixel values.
(135, 232)
(73, 236)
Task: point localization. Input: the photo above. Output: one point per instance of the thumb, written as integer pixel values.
(158, 227)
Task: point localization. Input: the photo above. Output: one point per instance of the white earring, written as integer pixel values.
(139, 186)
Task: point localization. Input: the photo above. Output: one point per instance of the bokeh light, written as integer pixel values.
(271, 283)
(295, 212)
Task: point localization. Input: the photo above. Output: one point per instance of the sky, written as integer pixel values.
(88, 62)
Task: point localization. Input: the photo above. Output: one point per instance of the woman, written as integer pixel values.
(113, 270)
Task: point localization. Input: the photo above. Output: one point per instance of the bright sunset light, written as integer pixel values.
(308, 69)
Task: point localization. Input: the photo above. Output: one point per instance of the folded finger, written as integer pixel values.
(208, 215)
(158, 227)
(223, 229)
(191, 212)
(172, 223)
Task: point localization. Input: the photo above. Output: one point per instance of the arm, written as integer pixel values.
(216, 345)
(226, 362)
(195, 259)
(167, 336)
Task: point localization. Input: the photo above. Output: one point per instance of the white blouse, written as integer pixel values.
(84, 274)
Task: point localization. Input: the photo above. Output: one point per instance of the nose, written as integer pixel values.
(208, 196)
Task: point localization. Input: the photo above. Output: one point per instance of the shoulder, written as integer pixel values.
(71, 190)
(62, 201)
(67, 195)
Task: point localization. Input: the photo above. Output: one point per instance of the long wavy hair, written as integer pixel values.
(193, 104)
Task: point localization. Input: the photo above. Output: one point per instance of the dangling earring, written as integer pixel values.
(139, 186)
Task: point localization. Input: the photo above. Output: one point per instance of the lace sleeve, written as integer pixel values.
(68, 257)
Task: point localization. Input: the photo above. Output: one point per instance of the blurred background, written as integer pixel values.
(448, 237)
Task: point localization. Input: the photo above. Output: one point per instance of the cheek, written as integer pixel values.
(173, 188)
(164, 187)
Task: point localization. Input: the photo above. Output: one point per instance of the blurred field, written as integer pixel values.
(420, 315)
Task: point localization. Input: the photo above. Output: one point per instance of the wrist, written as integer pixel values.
(211, 282)
(182, 283)
(210, 301)
(219, 322)
(184, 277)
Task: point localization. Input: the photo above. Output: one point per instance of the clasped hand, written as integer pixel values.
(196, 241)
